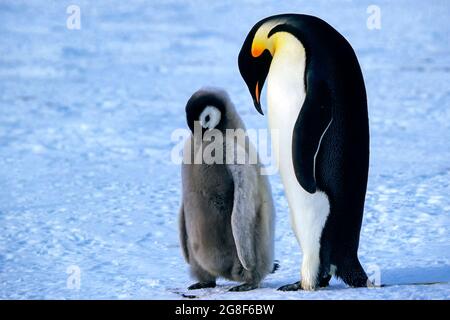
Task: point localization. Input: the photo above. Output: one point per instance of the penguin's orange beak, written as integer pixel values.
(257, 92)
(256, 99)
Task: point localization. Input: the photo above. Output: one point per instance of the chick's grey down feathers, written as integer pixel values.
(227, 212)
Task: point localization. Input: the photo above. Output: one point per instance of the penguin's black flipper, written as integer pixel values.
(313, 121)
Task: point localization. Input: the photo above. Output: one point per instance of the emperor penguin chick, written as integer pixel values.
(227, 213)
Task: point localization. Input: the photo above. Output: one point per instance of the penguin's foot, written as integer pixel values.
(202, 285)
(324, 282)
(291, 287)
(244, 287)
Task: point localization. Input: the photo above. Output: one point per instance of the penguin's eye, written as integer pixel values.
(210, 117)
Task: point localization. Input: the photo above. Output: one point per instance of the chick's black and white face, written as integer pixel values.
(210, 117)
(206, 108)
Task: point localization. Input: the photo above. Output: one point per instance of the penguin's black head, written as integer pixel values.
(254, 63)
(208, 108)
(258, 50)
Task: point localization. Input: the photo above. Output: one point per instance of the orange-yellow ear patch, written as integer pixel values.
(257, 48)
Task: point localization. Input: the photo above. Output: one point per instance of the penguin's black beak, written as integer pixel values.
(258, 107)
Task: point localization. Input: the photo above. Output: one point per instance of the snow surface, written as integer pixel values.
(85, 123)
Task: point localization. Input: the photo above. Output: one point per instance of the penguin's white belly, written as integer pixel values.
(308, 212)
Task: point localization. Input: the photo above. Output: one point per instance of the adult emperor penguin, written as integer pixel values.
(227, 213)
(317, 100)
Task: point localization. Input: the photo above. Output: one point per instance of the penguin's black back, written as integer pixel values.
(342, 161)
